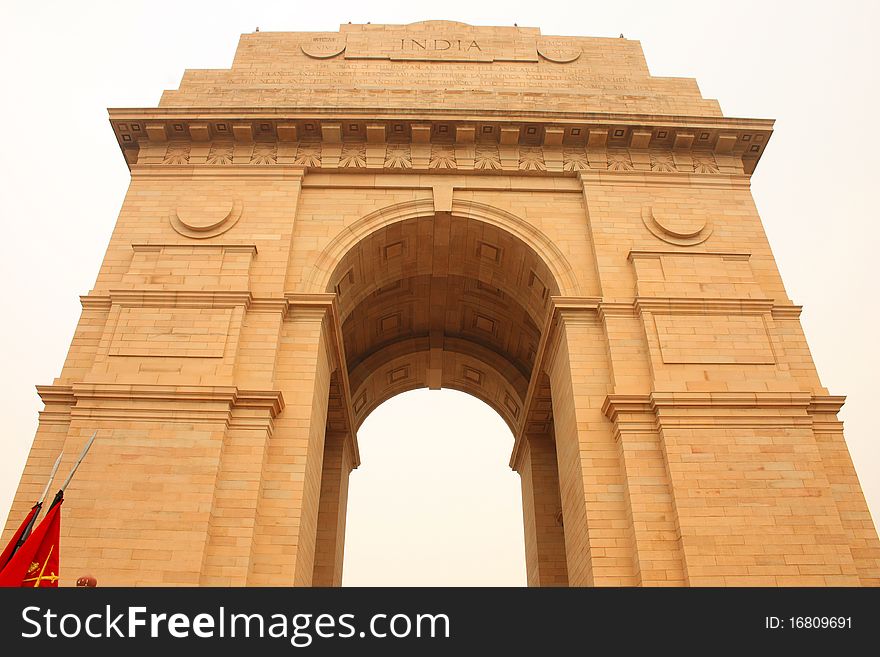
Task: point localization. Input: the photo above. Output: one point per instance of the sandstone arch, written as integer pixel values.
(601, 278)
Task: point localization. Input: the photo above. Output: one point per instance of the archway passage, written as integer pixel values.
(447, 301)
(434, 503)
(442, 301)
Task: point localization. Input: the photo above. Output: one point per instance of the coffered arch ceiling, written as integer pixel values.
(442, 301)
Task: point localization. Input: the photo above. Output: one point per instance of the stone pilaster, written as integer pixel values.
(542, 512)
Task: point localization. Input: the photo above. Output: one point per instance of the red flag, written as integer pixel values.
(16, 537)
(36, 562)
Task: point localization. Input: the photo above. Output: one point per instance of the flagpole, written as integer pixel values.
(39, 506)
(49, 524)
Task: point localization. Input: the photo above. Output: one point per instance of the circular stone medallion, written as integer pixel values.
(680, 226)
(324, 46)
(675, 228)
(560, 51)
(204, 221)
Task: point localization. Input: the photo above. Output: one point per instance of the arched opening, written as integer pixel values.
(434, 503)
(442, 300)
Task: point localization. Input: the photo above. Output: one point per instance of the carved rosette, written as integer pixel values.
(705, 163)
(531, 159)
(265, 153)
(442, 157)
(220, 153)
(398, 156)
(177, 153)
(308, 155)
(661, 161)
(353, 155)
(574, 159)
(486, 157)
(423, 154)
(619, 160)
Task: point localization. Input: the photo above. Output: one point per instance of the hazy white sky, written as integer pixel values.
(809, 65)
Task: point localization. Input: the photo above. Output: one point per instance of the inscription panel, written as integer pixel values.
(423, 64)
(441, 45)
(423, 73)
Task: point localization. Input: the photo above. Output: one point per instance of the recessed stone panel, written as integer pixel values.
(719, 339)
(181, 332)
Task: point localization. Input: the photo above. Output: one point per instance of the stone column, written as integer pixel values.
(542, 512)
(330, 535)
(287, 511)
(854, 514)
(597, 538)
(237, 489)
(653, 523)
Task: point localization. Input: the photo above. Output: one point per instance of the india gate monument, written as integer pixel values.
(534, 220)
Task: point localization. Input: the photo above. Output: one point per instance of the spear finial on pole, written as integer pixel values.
(60, 494)
(51, 477)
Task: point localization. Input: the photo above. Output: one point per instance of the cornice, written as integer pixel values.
(824, 409)
(570, 306)
(576, 304)
(693, 400)
(177, 298)
(68, 394)
(270, 400)
(485, 141)
(187, 298)
(226, 247)
(827, 403)
(709, 410)
(158, 403)
(269, 305)
(616, 405)
(434, 113)
(56, 394)
(637, 254)
(702, 306)
(786, 312)
(144, 392)
(58, 400)
(238, 171)
(326, 300)
(99, 302)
